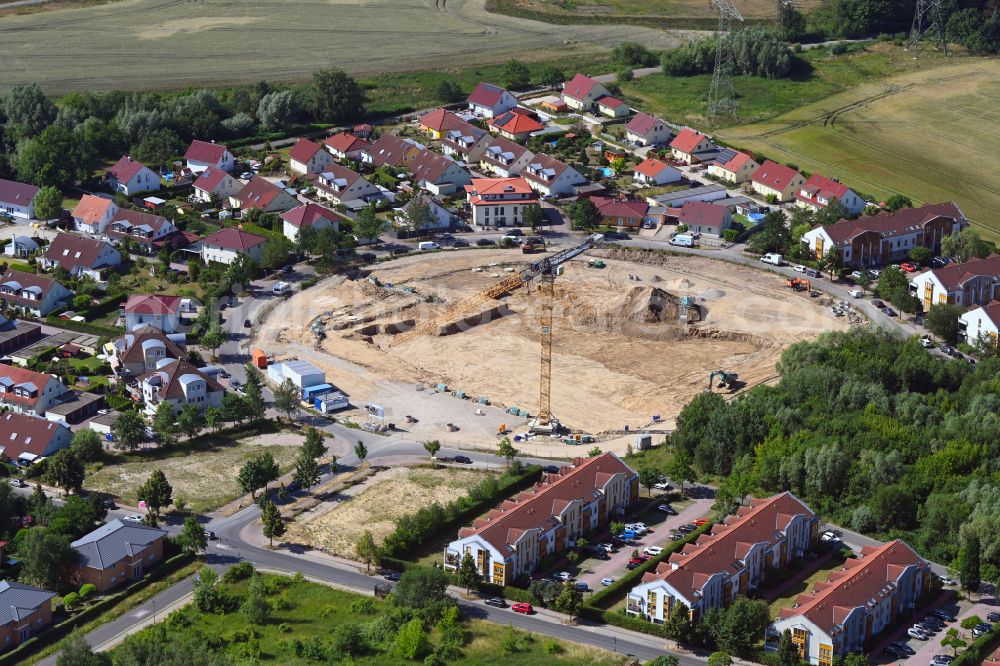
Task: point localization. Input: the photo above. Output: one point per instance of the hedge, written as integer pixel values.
(979, 649)
(80, 327)
(56, 632)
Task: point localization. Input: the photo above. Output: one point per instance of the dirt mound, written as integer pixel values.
(649, 305)
(642, 312)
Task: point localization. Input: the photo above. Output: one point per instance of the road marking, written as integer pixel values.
(140, 614)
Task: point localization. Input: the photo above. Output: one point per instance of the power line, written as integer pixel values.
(722, 100)
(928, 21)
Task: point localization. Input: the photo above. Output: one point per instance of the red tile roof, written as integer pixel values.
(536, 507)
(687, 140)
(440, 120)
(13, 192)
(152, 304)
(774, 175)
(579, 87)
(210, 179)
(346, 143)
(205, 151)
(429, 166)
(258, 193)
(307, 215)
(482, 187)
(821, 186)
(486, 94)
(91, 208)
(125, 169)
(651, 167)
(516, 123)
(953, 276)
(303, 150)
(609, 102)
(703, 213)
(13, 376)
(888, 225)
(26, 434)
(170, 375)
(719, 552)
(871, 577)
(389, 149)
(642, 124)
(233, 239)
(613, 207)
(735, 163)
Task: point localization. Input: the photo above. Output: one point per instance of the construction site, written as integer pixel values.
(634, 337)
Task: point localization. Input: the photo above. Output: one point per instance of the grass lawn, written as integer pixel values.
(140, 281)
(19, 266)
(805, 585)
(83, 366)
(311, 613)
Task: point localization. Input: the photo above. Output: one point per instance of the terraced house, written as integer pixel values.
(28, 392)
(855, 603)
(974, 282)
(32, 293)
(731, 560)
(513, 538)
(118, 552)
(24, 611)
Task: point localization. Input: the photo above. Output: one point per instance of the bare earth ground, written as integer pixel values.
(205, 479)
(143, 44)
(613, 363)
(336, 525)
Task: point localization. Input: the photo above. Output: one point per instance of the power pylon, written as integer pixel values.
(722, 95)
(928, 20)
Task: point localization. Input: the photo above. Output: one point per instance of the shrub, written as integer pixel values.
(411, 641)
(87, 590)
(285, 628)
(239, 572)
(71, 600)
(552, 646)
(363, 606)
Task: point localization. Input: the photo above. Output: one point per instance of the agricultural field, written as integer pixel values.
(929, 134)
(678, 13)
(156, 44)
(205, 477)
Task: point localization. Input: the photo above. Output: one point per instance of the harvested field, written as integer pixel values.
(929, 134)
(620, 353)
(156, 44)
(204, 479)
(336, 525)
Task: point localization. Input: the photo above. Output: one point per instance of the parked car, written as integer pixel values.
(878, 303)
(582, 587)
(133, 518)
(888, 312)
(632, 565)
(914, 632)
(246, 323)
(521, 607)
(482, 242)
(18, 483)
(686, 529)
(563, 576)
(943, 614)
(607, 581)
(391, 575)
(993, 616)
(109, 503)
(908, 267)
(799, 268)
(926, 342)
(667, 509)
(608, 547)
(905, 647)
(677, 536)
(551, 469)
(652, 550)
(926, 627)
(894, 651)
(496, 602)
(828, 536)
(465, 460)
(663, 485)
(981, 629)
(942, 659)
(698, 522)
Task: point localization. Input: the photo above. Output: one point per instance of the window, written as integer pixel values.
(825, 655)
(801, 639)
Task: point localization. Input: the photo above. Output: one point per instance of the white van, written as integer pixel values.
(428, 245)
(682, 240)
(279, 288)
(773, 259)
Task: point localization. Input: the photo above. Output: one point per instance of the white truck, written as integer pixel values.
(773, 259)
(682, 240)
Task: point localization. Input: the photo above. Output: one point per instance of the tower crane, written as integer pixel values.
(544, 270)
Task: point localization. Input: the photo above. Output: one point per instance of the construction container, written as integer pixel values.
(259, 359)
(459, 394)
(443, 388)
(483, 401)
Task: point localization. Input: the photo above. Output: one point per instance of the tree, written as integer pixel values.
(306, 471)
(366, 549)
(665, 660)
(468, 574)
(832, 262)
(969, 574)
(551, 76)
(449, 91)
(47, 560)
(75, 651)
(895, 288)
(28, 112)
(788, 653)
(965, 245)
(953, 640)
(368, 227)
(898, 201)
(680, 469)
(255, 606)
(507, 451)
(287, 398)
(192, 539)
(336, 97)
(649, 476)
(515, 74)
(207, 595)
(253, 397)
(791, 23)
(360, 450)
(420, 588)
(721, 659)
(191, 420)
(570, 600)
(432, 446)
(774, 235)
(942, 321)
(741, 625)
(969, 623)
(48, 203)
(86, 444)
(632, 54)
(234, 408)
(164, 423)
(156, 492)
(278, 110)
(53, 158)
(418, 213)
(274, 526)
(616, 527)
(157, 146)
(65, 469)
(256, 473)
(213, 418)
(275, 253)
(411, 641)
(584, 215)
(314, 444)
(532, 216)
(920, 255)
(76, 517)
(213, 338)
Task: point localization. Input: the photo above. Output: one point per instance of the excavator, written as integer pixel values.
(727, 380)
(799, 284)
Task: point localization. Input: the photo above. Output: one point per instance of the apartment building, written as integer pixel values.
(973, 282)
(499, 202)
(179, 383)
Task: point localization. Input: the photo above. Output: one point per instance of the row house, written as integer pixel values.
(646, 130)
(263, 195)
(776, 180)
(117, 553)
(201, 155)
(346, 146)
(731, 560)
(24, 611)
(504, 158)
(435, 123)
(732, 166)
(340, 185)
(887, 238)
(981, 324)
(818, 192)
(438, 174)
(307, 215)
(179, 383)
(307, 157)
(551, 177)
(465, 143)
(499, 202)
(150, 232)
(17, 199)
(142, 349)
(973, 282)
(81, 257)
(489, 100)
(35, 294)
(547, 519)
(217, 184)
(130, 177)
(393, 151)
(28, 392)
(856, 603)
(28, 438)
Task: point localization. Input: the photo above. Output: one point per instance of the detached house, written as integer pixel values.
(547, 519)
(730, 561)
(581, 93)
(131, 177)
(140, 350)
(692, 147)
(776, 180)
(438, 174)
(24, 612)
(307, 157)
(93, 214)
(340, 185)
(264, 195)
(345, 146)
(214, 181)
(981, 324)
(517, 124)
(504, 158)
(179, 383)
(550, 177)
(465, 143)
(856, 603)
(499, 202)
(28, 392)
(612, 107)
(974, 282)
(21, 246)
(887, 237)
(203, 154)
(27, 438)
(161, 312)
(80, 256)
(706, 218)
(17, 199)
(489, 100)
(435, 123)
(733, 166)
(150, 232)
(392, 150)
(623, 213)
(36, 294)
(819, 192)
(117, 553)
(307, 215)
(225, 245)
(656, 172)
(645, 130)
(440, 217)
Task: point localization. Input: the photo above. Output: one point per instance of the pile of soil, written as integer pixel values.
(649, 305)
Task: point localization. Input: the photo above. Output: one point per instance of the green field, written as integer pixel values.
(160, 44)
(931, 134)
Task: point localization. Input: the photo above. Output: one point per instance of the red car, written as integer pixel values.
(521, 607)
(699, 522)
(908, 267)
